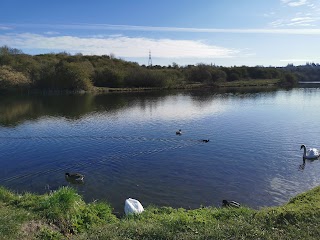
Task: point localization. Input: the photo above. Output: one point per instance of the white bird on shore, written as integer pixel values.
(132, 206)
(311, 153)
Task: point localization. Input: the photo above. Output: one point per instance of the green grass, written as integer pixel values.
(63, 209)
(250, 83)
(11, 221)
(64, 215)
(239, 83)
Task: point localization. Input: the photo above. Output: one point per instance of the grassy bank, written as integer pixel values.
(142, 89)
(64, 215)
(253, 83)
(250, 83)
(235, 84)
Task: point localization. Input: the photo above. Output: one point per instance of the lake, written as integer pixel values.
(126, 145)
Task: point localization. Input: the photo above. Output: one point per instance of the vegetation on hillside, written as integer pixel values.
(64, 215)
(63, 71)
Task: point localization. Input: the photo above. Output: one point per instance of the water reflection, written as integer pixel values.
(126, 145)
(306, 161)
(19, 108)
(75, 181)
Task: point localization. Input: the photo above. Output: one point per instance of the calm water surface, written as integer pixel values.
(125, 145)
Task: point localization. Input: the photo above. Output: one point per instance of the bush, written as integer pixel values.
(10, 78)
(74, 75)
(106, 77)
(138, 77)
(201, 73)
(288, 80)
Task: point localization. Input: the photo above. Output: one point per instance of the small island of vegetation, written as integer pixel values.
(66, 72)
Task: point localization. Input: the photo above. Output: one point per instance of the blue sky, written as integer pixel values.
(224, 32)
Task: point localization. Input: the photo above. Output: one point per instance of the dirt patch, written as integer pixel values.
(31, 228)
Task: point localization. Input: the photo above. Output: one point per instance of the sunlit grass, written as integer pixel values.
(11, 220)
(64, 214)
(64, 208)
(250, 83)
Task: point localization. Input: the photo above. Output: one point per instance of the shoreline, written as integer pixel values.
(242, 84)
(63, 214)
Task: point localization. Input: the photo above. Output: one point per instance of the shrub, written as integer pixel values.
(10, 78)
(106, 77)
(74, 75)
(288, 80)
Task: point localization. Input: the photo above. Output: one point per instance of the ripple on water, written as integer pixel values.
(132, 150)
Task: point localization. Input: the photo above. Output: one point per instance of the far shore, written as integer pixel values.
(261, 83)
(252, 83)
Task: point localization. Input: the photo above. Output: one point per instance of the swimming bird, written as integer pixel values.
(311, 153)
(226, 203)
(179, 132)
(205, 140)
(74, 176)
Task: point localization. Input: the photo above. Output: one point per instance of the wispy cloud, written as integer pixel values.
(5, 27)
(295, 3)
(120, 46)
(304, 21)
(51, 33)
(123, 28)
(302, 13)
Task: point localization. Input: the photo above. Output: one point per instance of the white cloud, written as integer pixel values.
(5, 28)
(270, 14)
(302, 13)
(302, 21)
(51, 33)
(296, 22)
(295, 3)
(123, 28)
(298, 3)
(121, 46)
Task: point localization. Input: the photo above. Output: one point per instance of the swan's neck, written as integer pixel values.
(304, 151)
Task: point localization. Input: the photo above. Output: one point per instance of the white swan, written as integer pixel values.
(132, 206)
(311, 153)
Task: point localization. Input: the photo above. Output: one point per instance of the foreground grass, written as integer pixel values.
(64, 215)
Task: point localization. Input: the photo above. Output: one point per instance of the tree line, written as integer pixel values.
(63, 71)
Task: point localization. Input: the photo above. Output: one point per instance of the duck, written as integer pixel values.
(74, 176)
(205, 140)
(311, 153)
(179, 132)
(226, 203)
